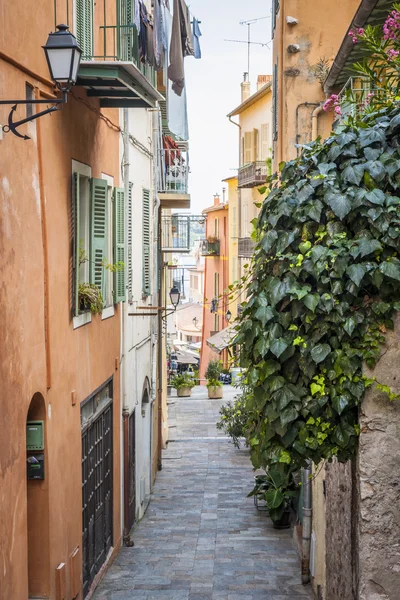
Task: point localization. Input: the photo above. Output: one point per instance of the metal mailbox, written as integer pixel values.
(35, 435)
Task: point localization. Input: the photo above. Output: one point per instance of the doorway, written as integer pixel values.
(132, 469)
(97, 482)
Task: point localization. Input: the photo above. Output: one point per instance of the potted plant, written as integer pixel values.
(183, 384)
(90, 298)
(214, 385)
(280, 490)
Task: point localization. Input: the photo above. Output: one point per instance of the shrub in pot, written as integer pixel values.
(183, 384)
(279, 492)
(214, 386)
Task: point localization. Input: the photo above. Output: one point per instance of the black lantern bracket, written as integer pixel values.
(63, 57)
(13, 125)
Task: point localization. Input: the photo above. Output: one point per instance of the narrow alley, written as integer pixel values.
(201, 537)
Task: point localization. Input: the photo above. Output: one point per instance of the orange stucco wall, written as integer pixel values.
(215, 264)
(319, 32)
(35, 201)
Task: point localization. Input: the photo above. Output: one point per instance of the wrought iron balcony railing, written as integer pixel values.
(210, 247)
(252, 174)
(174, 171)
(354, 96)
(245, 247)
(175, 233)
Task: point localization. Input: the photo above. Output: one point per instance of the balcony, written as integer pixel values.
(113, 72)
(175, 233)
(245, 248)
(253, 174)
(174, 171)
(210, 247)
(354, 95)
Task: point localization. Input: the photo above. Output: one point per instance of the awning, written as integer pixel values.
(222, 339)
(117, 84)
(186, 359)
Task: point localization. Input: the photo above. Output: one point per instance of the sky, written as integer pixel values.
(213, 89)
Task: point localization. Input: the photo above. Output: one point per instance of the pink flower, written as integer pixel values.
(391, 26)
(338, 110)
(391, 53)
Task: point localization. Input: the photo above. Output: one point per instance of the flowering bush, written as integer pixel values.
(381, 66)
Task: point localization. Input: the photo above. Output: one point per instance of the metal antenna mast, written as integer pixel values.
(249, 42)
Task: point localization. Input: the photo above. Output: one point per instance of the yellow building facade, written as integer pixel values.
(254, 123)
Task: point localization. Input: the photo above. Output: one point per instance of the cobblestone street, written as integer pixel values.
(201, 537)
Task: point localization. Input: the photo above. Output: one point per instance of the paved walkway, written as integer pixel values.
(201, 538)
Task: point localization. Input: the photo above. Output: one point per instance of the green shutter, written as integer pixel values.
(75, 243)
(119, 244)
(146, 243)
(84, 27)
(129, 278)
(98, 233)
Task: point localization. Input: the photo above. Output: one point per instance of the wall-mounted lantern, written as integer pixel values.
(63, 57)
(228, 315)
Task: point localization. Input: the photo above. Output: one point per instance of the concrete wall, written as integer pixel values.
(340, 526)
(378, 477)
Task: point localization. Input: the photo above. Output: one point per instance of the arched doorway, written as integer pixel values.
(37, 499)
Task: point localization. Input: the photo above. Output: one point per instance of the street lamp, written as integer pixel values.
(175, 296)
(63, 57)
(228, 315)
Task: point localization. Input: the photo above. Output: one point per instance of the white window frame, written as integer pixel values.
(86, 171)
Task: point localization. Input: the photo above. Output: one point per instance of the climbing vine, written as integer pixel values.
(323, 290)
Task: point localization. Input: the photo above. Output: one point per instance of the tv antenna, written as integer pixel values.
(249, 42)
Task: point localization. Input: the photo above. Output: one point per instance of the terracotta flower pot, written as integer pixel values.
(215, 392)
(184, 392)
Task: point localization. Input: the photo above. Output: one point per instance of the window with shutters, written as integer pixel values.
(84, 27)
(98, 242)
(265, 147)
(146, 288)
(255, 153)
(275, 103)
(248, 147)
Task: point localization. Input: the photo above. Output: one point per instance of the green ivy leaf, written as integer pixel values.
(339, 203)
(289, 414)
(340, 403)
(311, 301)
(278, 347)
(269, 240)
(320, 352)
(391, 269)
(356, 273)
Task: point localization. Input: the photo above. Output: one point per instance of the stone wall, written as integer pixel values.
(379, 482)
(340, 532)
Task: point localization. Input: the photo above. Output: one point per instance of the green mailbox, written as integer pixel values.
(35, 435)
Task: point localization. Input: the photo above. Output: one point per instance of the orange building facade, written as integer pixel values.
(216, 279)
(59, 364)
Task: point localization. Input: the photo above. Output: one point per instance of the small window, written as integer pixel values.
(29, 95)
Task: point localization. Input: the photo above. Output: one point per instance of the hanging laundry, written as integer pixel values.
(196, 38)
(158, 37)
(181, 45)
(136, 16)
(151, 59)
(143, 33)
(176, 105)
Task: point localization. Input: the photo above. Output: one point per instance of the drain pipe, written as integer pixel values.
(314, 122)
(307, 512)
(124, 354)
